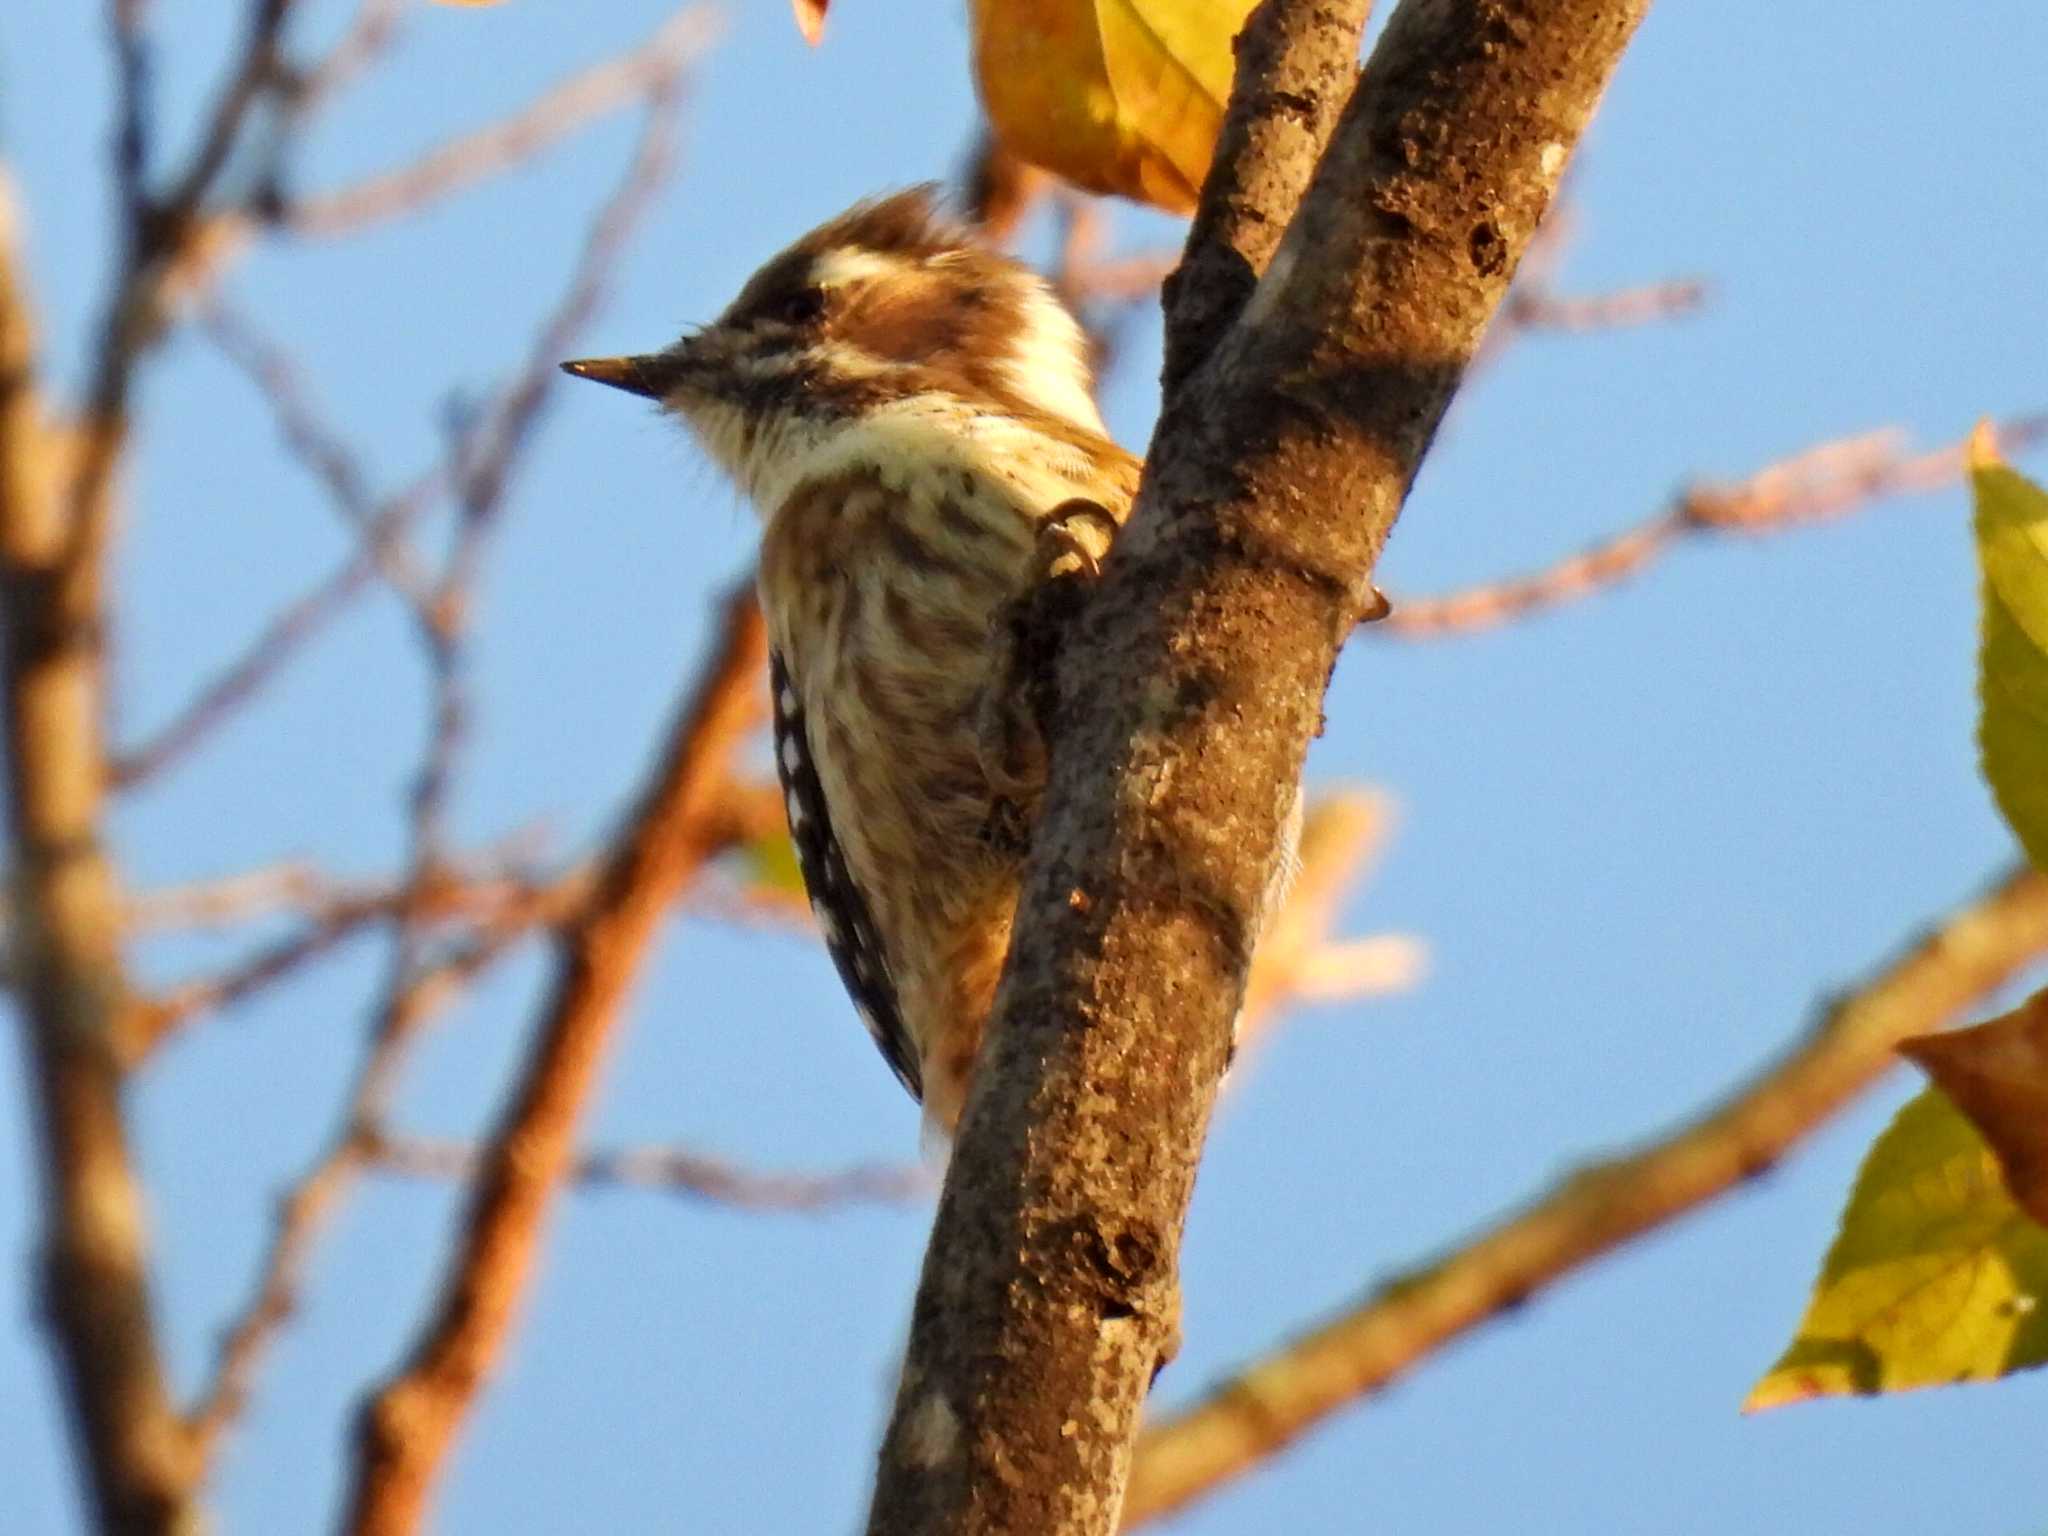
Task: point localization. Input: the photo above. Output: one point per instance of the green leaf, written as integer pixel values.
(2012, 684)
(1935, 1276)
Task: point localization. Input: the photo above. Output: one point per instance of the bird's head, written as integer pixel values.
(888, 302)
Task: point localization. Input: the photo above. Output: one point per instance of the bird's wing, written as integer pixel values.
(841, 910)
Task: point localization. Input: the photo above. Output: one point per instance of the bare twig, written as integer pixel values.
(407, 1430)
(462, 162)
(998, 189)
(368, 36)
(133, 118)
(315, 443)
(473, 888)
(1831, 480)
(1594, 1211)
(418, 995)
(1538, 309)
(480, 466)
(257, 70)
(277, 643)
(487, 465)
(500, 909)
(673, 1170)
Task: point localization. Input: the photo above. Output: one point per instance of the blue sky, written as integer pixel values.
(1642, 836)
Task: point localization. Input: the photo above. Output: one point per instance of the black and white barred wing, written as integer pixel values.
(841, 910)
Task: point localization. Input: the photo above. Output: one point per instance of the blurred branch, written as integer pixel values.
(368, 35)
(407, 1429)
(218, 700)
(671, 1170)
(1534, 303)
(162, 239)
(317, 445)
(417, 994)
(1243, 1422)
(998, 190)
(1084, 275)
(501, 908)
(480, 463)
(1297, 959)
(652, 66)
(66, 936)
(480, 883)
(132, 116)
(1833, 479)
(1540, 310)
(256, 70)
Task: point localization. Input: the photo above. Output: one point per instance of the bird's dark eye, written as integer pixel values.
(805, 306)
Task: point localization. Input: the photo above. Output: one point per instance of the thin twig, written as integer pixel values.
(313, 441)
(1242, 1423)
(501, 908)
(307, 1206)
(133, 117)
(277, 643)
(489, 151)
(418, 983)
(256, 70)
(368, 37)
(1538, 309)
(674, 1170)
(1831, 480)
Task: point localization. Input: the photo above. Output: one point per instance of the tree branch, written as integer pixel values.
(675, 1170)
(1296, 66)
(66, 933)
(1595, 1210)
(406, 1431)
(219, 698)
(647, 68)
(1188, 691)
(1832, 479)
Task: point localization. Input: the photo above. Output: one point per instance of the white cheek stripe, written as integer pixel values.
(849, 264)
(1049, 366)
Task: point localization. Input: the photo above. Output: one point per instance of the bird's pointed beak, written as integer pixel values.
(652, 374)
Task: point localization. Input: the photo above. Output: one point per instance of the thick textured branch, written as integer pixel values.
(1242, 1423)
(1296, 65)
(1187, 697)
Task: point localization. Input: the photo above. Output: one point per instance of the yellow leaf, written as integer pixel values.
(1997, 1074)
(1118, 96)
(2012, 681)
(1935, 1277)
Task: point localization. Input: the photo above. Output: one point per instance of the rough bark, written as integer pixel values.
(1296, 66)
(1188, 692)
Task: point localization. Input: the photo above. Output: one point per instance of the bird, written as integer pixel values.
(912, 415)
